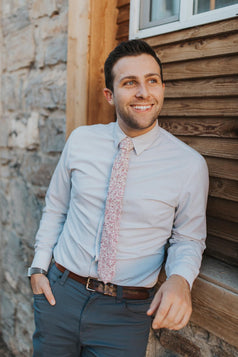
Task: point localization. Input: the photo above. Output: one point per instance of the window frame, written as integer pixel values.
(187, 19)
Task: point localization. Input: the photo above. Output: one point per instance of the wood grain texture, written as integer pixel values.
(223, 168)
(102, 41)
(217, 147)
(220, 317)
(219, 127)
(207, 30)
(123, 30)
(200, 107)
(224, 209)
(124, 14)
(221, 249)
(222, 228)
(223, 188)
(201, 48)
(201, 68)
(208, 87)
(77, 64)
(121, 3)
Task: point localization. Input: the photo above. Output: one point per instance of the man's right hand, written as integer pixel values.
(40, 285)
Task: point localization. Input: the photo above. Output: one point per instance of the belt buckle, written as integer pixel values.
(108, 289)
(87, 285)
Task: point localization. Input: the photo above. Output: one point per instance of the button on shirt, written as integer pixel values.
(165, 199)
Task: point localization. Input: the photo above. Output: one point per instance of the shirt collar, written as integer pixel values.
(141, 142)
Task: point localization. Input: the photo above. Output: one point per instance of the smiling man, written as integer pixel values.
(119, 194)
(137, 93)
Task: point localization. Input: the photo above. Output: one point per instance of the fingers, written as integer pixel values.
(155, 303)
(171, 305)
(161, 317)
(49, 295)
(182, 323)
(175, 318)
(40, 285)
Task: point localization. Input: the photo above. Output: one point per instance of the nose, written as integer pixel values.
(142, 91)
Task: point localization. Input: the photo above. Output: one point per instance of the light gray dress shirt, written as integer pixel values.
(165, 198)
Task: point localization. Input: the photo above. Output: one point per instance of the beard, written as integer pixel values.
(133, 122)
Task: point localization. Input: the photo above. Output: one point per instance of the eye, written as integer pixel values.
(129, 83)
(153, 80)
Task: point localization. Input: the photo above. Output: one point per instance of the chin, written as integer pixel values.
(142, 126)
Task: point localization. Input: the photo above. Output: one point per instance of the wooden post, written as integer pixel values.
(102, 40)
(77, 64)
(91, 36)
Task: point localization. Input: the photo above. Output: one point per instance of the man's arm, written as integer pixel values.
(52, 222)
(172, 303)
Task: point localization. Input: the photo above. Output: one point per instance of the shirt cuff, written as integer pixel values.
(41, 260)
(187, 274)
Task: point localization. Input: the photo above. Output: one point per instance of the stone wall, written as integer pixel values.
(32, 134)
(191, 341)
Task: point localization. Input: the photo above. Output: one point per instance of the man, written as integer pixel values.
(164, 198)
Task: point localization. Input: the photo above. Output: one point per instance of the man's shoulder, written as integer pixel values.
(181, 147)
(186, 156)
(86, 132)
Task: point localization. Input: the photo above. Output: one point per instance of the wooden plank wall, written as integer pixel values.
(201, 106)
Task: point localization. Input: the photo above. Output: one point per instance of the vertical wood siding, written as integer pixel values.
(201, 107)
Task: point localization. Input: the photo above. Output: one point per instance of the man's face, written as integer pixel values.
(138, 93)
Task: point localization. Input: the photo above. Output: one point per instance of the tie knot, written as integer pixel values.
(126, 144)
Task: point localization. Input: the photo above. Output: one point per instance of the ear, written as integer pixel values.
(108, 95)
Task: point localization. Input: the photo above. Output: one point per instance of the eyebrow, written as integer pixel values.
(135, 77)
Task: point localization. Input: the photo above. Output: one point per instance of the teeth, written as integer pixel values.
(142, 107)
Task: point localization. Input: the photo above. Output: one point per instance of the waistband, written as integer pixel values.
(93, 284)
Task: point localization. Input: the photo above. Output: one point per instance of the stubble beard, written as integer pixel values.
(133, 123)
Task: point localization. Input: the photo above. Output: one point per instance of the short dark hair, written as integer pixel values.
(127, 48)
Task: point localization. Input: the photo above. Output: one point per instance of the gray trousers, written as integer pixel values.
(88, 324)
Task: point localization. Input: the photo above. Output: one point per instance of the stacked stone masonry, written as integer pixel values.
(33, 102)
(33, 55)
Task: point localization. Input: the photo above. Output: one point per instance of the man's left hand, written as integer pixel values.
(172, 304)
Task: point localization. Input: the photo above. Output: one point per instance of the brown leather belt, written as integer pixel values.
(92, 284)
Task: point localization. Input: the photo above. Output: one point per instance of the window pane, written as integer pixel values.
(207, 5)
(160, 10)
(223, 3)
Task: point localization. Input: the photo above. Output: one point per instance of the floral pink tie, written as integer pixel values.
(113, 210)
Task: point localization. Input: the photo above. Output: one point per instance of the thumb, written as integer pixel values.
(155, 303)
(49, 295)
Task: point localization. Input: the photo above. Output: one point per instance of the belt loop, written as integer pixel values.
(64, 277)
(119, 293)
(152, 291)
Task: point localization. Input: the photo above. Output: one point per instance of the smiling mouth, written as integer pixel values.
(142, 108)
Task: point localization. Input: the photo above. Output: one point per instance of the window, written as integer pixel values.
(200, 6)
(158, 12)
(153, 17)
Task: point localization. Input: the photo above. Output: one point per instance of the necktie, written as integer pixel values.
(113, 210)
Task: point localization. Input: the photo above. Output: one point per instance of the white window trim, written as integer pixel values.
(186, 19)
